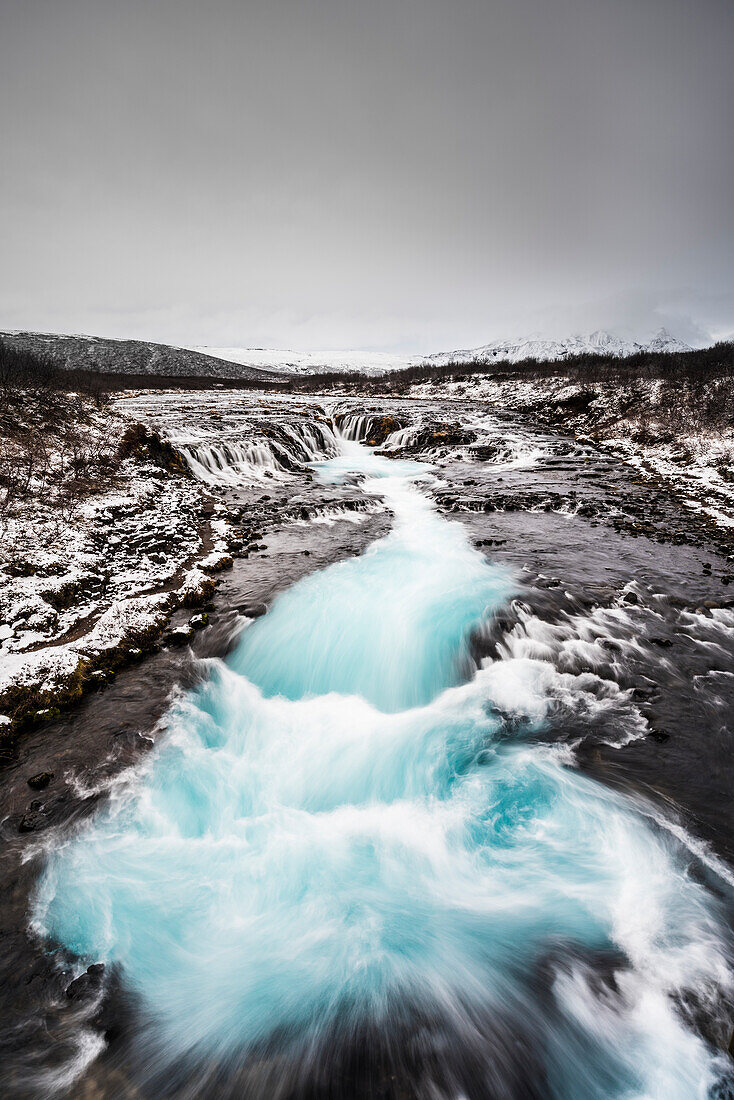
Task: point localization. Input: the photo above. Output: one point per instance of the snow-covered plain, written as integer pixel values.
(378, 362)
(313, 362)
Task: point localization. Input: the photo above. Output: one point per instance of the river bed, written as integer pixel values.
(450, 819)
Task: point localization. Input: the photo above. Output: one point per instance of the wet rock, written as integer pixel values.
(658, 735)
(441, 435)
(87, 984)
(216, 562)
(198, 622)
(645, 693)
(31, 820)
(486, 452)
(38, 782)
(255, 610)
(197, 589)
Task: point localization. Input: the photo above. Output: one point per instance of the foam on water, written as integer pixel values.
(349, 823)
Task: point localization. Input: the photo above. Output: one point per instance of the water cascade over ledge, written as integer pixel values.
(351, 844)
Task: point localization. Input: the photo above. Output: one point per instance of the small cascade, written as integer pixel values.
(316, 440)
(286, 448)
(403, 437)
(220, 463)
(354, 426)
(357, 426)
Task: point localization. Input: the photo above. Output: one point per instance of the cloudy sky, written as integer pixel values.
(389, 174)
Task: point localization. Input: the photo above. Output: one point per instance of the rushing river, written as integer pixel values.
(357, 866)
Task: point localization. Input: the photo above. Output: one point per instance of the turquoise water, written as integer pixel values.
(349, 816)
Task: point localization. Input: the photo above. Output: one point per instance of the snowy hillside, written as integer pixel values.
(138, 357)
(535, 347)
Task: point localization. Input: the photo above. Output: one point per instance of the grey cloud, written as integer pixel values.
(413, 173)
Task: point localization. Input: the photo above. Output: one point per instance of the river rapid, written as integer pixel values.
(450, 820)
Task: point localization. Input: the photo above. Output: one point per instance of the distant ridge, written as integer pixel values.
(266, 365)
(96, 353)
(535, 347)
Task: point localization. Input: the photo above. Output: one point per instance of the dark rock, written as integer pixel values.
(644, 694)
(86, 985)
(659, 735)
(30, 821)
(441, 435)
(255, 610)
(38, 782)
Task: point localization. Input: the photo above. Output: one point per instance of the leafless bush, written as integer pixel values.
(50, 448)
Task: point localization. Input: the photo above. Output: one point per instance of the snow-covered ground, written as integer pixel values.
(86, 587)
(697, 463)
(313, 362)
(83, 586)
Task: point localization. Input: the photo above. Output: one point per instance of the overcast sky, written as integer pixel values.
(388, 174)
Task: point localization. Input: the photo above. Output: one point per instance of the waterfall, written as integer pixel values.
(351, 829)
(232, 462)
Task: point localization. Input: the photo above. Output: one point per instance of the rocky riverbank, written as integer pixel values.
(91, 568)
(653, 425)
(115, 529)
(113, 533)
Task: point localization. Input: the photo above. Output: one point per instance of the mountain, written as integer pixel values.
(97, 353)
(376, 363)
(140, 357)
(535, 347)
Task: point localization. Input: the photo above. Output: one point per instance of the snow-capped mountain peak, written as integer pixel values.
(663, 341)
(599, 342)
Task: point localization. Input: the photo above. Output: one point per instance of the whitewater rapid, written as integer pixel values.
(352, 827)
